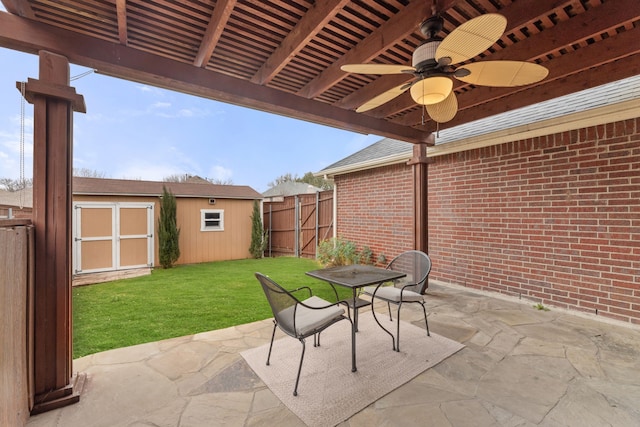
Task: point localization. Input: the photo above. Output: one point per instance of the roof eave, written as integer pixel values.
(593, 117)
(370, 164)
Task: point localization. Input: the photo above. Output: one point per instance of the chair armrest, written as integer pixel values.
(302, 288)
(329, 304)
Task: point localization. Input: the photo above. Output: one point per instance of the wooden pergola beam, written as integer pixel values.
(130, 64)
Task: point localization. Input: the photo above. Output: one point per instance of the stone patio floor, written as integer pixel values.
(520, 367)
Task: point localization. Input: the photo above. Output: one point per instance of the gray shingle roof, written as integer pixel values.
(383, 148)
(19, 198)
(291, 188)
(589, 99)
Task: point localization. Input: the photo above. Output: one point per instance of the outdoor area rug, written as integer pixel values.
(329, 392)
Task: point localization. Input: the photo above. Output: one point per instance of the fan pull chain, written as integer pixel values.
(22, 183)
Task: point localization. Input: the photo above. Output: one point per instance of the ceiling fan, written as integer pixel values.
(433, 66)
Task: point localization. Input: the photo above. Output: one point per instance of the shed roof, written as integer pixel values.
(125, 187)
(102, 186)
(603, 104)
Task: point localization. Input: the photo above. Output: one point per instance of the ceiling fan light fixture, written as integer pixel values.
(431, 90)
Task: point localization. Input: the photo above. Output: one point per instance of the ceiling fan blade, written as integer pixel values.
(471, 38)
(444, 111)
(378, 69)
(504, 73)
(383, 97)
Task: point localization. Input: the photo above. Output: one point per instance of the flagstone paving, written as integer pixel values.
(520, 367)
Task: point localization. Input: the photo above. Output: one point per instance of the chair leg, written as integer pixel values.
(398, 329)
(295, 390)
(389, 308)
(426, 322)
(273, 334)
(393, 338)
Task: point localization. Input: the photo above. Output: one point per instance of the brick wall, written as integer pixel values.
(375, 208)
(555, 219)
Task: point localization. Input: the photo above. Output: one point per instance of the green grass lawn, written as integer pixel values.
(182, 301)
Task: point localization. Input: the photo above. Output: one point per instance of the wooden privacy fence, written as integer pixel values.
(297, 224)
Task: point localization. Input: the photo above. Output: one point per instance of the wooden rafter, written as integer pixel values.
(121, 12)
(219, 18)
(284, 56)
(312, 22)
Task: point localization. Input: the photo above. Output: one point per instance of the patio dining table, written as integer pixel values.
(355, 277)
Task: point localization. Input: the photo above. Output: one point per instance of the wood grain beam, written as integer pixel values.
(19, 7)
(121, 13)
(309, 25)
(131, 64)
(219, 17)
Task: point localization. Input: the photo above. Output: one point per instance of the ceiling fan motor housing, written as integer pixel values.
(424, 55)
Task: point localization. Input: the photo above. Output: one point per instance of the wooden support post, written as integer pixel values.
(420, 163)
(54, 102)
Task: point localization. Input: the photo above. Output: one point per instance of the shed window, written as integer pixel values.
(211, 220)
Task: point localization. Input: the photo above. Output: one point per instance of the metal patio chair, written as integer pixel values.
(300, 319)
(410, 289)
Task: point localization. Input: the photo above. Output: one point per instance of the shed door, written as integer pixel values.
(112, 236)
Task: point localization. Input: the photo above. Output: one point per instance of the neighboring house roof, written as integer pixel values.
(195, 179)
(603, 104)
(22, 198)
(291, 188)
(124, 187)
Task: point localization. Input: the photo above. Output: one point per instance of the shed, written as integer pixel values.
(115, 223)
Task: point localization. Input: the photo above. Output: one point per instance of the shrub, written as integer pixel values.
(337, 251)
(258, 235)
(366, 255)
(168, 231)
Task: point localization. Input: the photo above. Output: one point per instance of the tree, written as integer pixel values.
(176, 177)
(168, 231)
(12, 185)
(185, 177)
(258, 235)
(88, 173)
(308, 178)
(220, 181)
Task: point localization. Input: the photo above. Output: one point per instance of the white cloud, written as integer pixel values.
(10, 148)
(150, 89)
(220, 173)
(147, 171)
(184, 112)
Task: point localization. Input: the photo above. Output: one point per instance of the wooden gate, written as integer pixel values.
(297, 224)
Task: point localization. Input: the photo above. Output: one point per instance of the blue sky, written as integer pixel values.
(134, 131)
